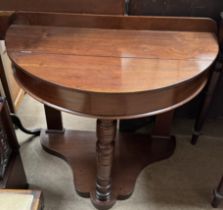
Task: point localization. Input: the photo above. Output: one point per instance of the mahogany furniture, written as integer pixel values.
(91, 65)
(114, 7)
(199, 8)
(12, 174)
(34, 196)
(53, 116)
(192, 8)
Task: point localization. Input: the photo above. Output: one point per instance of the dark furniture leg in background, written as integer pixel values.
(218, 195)
(212, 85)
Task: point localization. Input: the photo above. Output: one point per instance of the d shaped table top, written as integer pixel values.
(109, 61)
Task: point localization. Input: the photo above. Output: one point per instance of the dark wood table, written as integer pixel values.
(110, 68)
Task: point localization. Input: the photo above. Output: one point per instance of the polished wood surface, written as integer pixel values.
(114, 21)
(113, 106)
(116, 7)
(190, 8)
(116, 61)
(185, 8)
(72, 6)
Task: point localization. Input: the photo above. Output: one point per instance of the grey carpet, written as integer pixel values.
(184, 181)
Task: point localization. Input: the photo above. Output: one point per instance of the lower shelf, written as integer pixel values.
(133, 152)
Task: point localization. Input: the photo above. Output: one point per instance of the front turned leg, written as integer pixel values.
(218, 195)
(106, 132)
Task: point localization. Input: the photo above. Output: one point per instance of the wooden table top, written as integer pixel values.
(108, 66)
(110, 60)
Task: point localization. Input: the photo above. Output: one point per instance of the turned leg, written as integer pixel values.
(211, 87)
(106, 131)
(218, 195)
(53, 120)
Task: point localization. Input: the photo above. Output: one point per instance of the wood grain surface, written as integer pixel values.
(72, 6)
(110, 60)
(111, 66)
(132, 153)
(115, 21)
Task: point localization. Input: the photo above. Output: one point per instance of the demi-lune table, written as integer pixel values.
(110, 68)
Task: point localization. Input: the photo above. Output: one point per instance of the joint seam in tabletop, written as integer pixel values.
(119, 89)
(28, 52)
(111, 93)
